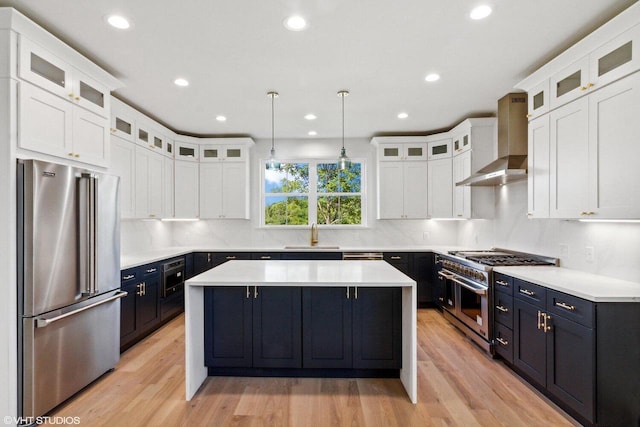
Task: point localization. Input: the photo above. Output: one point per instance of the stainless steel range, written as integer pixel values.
(467, 296)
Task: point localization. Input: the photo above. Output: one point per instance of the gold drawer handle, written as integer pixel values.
(502, 283)
(527, 292)
(502, 309)
(502, 341)
(565, 306)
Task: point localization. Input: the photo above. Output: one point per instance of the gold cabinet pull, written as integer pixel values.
(547, 328)
(539, 325)
(502, 283)
(527, 292)
(589, 85)
(71, 154)
(583, 88)
(565, 306)
(502, 341)
(71, 95)
(76, 155)
(591, 213)
(583, 213)
(113, 130)
(502, 309)
(528, 116)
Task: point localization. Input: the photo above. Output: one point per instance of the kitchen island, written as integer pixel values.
(251, 276)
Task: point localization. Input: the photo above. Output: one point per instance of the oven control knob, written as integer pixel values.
(479, 275)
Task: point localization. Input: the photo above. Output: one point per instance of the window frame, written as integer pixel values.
(313, 194)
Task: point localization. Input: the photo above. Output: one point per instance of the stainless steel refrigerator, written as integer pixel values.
(68, 281)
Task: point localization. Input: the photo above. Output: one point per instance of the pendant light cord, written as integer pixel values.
(342, 96)
(272, 122)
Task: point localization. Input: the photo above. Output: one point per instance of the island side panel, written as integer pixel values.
(409, 371)
(195, 370)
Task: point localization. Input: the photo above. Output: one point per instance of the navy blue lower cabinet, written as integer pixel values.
(530, 346)
(228, 327)
(377, 328)
(327, 328)
(253, 327)
(277, 323)
(571, 364)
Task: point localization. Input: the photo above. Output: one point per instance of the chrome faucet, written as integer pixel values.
(314, 234)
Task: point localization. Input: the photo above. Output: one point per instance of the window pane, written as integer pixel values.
(339, 210)
(290, 178)
(280, 210)
(333, 180)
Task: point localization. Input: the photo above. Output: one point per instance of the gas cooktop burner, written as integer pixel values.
(505, 260)
(503, 257)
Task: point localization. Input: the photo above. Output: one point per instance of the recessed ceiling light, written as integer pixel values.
(119, 22)
(432, 77)
(310, 116)
(402, 115)
(221, 118)
(295, 23)
(181, 82)
(480, 12)
(312, 133)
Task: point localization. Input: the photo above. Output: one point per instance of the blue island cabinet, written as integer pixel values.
(252, 327)
(303, 331)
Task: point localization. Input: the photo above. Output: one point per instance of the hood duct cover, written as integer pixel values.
(511, 164)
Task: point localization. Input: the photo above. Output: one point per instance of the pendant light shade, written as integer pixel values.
(272, 163)
(343, 160)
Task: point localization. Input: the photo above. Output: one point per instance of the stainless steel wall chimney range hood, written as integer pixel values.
(511, 164)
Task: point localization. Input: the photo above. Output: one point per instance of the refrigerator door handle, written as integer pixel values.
(87, 199)
(42, 322)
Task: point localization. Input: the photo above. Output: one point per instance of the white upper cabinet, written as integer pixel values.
(591, 127)
(44, 69)
(439, 149)
(186, 189)
(461, 194)
(123, 126)
(168, 188)
(149, 183)
(615, 59)
(538, 100)
(538, 168)
(440, 188)
(123, 164)
(461, 142)
(614, 150)
(221, 152)
(51, 125)
(224, 178)
(394, 148)
(188, 151)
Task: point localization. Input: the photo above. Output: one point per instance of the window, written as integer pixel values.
(301, 193)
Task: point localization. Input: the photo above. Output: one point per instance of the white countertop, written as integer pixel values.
(302, 273)
(589, 286)
(130, 260)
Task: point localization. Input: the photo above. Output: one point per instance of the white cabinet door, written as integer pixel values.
(149, 182)
(538, 99)
(45, 122)
(123, 165)
(569, 156)
(439, 189)
(462, 194)
(415, 151)
(186, 189)
(40, 67)
(168, 188)
(90, 137)
(570, 83)
(211, 187)
(615, 59)
(440, 149)
(390, 190)
(614, 149)
(123, 126)
(235, 201)
(90, 94)
(538, 168)
(415, 190)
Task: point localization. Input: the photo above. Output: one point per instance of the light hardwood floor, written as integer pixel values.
(458, 385)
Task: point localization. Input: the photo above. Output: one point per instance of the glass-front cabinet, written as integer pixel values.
(402, 151)
(570, 83)
(617, 58)
(440, 149)
(538, 100)
(212, 153)
(42, 68)
(186, 151)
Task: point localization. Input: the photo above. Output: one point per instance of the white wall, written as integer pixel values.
(616, 245)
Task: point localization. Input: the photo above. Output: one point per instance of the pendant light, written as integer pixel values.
(272, 164)
(343, 160)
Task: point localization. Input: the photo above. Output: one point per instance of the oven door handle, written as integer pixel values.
(445, 275)
(475, 290)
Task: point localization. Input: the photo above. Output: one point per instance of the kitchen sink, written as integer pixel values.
(305, 247)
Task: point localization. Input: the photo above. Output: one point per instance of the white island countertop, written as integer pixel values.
(304, 274)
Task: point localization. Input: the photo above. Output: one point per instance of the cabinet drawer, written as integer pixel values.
(265, 256)
(504, 342)
(399, 260)
(503, 283)
(503, 309)
(573, 308)
(128, 276)
(527, 291)
(151, 269)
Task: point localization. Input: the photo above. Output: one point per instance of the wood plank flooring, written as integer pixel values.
(458, 385)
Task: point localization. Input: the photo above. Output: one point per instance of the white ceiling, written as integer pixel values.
(234, 52)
